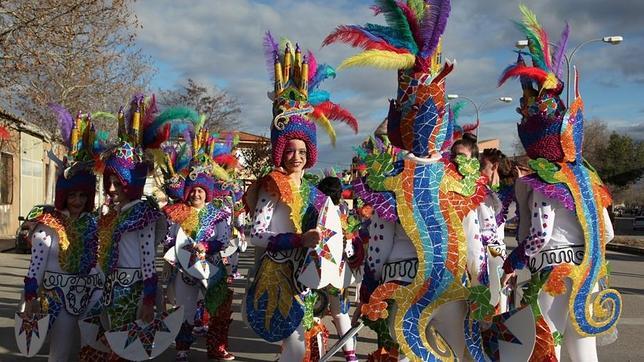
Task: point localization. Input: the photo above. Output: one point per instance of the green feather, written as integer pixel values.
(396, 19)
(536, 52)
(178, 113)
(107, 115)
(418, 7)
(456, 109)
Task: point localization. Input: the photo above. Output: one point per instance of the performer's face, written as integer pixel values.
(489, 169)
(116, 190)
(463, 150)
(76, 201)
(294, 156)
(197, 197)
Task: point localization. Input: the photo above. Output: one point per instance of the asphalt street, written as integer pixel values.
(627, 277)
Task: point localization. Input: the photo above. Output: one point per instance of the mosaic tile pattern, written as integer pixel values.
(432, 199)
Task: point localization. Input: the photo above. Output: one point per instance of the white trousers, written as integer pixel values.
(293, 348)
(342, 321)
(187, 296)
(62, 336)
(555, 312)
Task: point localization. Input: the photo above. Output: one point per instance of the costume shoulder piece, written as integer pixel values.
(77, 239)
(113, 225)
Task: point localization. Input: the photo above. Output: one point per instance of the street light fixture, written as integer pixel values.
(613, 40)
(477, 107)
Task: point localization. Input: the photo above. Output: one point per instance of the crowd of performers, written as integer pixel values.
(423, 240)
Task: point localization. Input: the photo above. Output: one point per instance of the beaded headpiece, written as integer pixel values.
(139, 132)
(547, 129)
(297, 102)
(203, 171)
(177, 152)
(83, 147)
(411, 44)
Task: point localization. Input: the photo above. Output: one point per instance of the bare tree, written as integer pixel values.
(220, 108)
(79, 53)
(596, 136)
(257, 160)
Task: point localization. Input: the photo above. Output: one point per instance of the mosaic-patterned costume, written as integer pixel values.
(64, 250)
(63, 258)
(207, 227)
(276, 306)
(128, 242)
(564, 226)
(423, 197)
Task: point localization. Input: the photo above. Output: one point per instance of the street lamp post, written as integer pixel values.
(613, 40)
(477, 107)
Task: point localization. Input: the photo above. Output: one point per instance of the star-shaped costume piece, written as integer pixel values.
(498, 331)
(197, 254)
(322, 249)
(145, 334)
(30, 327)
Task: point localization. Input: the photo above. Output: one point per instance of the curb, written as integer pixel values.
(625, 248)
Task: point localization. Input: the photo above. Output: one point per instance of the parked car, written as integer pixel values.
(638, 223)
(23, 240)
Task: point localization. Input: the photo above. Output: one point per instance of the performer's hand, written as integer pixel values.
(507, 279)
(32, 307)
(147, 313)
(311, 238)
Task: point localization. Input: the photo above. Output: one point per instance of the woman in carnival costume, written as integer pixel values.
(62, 276)
(285, 205)
(132, 228)
(417, 251)
(564, 225)
(200, 225)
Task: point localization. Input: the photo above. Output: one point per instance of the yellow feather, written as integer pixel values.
(326, 124)
(380, 59)
(220, 173)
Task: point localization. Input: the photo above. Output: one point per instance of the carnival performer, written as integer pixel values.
(199, 225)
(486, 248)
(285, 205)
(337, 299)
(417, 250)
(564, 223)
(62, 277)
(132, 228)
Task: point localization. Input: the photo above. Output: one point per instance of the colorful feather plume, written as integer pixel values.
(410, 38)
(334, 112)
(158, 130)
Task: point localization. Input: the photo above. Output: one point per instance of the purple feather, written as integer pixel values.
(433, 25)
(560, 55)
(65, 122)
(271, 50)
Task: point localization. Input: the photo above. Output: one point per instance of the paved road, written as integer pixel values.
(628, 277)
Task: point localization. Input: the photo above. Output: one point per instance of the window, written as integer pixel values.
(6, 178)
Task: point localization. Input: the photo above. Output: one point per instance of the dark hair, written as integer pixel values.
(506, 168)
(468, 141)
(332, 187)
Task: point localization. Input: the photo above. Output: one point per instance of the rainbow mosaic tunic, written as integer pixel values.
(276, 303)
(77, 252)
(431, 201)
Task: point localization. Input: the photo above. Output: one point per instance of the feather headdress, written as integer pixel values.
(548, 128)
(410, 42)
(411, 38)
(298, 100)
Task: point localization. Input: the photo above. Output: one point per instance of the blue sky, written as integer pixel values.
(219, 43)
